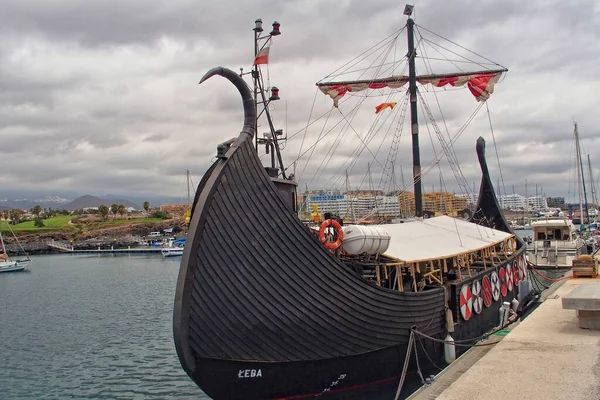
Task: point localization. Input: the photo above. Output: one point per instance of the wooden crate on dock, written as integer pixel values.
(584, 266)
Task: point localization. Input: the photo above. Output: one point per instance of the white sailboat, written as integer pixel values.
(9, 265)
(555, 241)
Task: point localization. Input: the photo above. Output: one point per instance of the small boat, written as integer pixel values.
(9, 265)
(268, 308)
(555, 243)
(173, 248)
(172, 251)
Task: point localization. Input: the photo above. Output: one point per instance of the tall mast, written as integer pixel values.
(414, 120)
(592, 185)
(188, 185)
(261, 50)
(581, 178)
(255, 76)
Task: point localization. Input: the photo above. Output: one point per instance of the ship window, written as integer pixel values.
(541, 235)
(558, 233)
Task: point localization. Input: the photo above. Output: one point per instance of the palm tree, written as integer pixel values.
(103, 210)
(147, 206)
(121, 210)
(114, 209)
(15, 216)
(36, 210)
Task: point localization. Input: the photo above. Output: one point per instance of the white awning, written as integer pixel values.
(438, 237)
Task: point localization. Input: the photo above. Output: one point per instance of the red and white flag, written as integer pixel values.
(263, 56)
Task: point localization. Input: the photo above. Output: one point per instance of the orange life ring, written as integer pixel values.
(340, 234)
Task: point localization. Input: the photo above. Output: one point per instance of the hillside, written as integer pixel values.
(93, 201)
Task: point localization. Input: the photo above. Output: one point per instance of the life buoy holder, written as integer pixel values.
(338, 229)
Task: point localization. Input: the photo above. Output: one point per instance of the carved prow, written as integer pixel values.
(247, 99)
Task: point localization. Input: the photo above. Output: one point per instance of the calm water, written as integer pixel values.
(91, 327)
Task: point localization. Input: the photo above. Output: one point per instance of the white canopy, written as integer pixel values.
(438, 237)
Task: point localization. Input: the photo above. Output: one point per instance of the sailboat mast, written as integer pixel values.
(414, 121)
(592, 185)
(581, 178)
(188, 179)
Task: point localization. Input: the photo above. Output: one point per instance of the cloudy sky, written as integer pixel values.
(102, 97)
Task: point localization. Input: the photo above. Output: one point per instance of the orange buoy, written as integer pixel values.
(338, 229)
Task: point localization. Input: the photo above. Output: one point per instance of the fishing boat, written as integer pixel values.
(267, 307)
(7, 264)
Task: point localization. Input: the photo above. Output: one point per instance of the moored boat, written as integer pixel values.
(268, 308)
(7, 264)
(554, 244)
(173, 248)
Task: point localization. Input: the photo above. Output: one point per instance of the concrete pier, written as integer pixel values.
(547, 356)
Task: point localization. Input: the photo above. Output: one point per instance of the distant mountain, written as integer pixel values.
(18, 204)
(93, 201)
(58, 200)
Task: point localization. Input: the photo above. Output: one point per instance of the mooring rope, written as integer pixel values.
(405, 366)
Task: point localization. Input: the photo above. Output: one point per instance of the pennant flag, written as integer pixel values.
(263, 56)
(383, 106)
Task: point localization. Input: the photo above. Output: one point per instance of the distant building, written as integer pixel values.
(443, 202)
(471, 198)
(556, 202)
(512, 202)
(537, 203)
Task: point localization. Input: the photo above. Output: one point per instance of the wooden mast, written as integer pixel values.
(414, 120)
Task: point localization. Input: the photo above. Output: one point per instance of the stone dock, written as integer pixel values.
(546, 356)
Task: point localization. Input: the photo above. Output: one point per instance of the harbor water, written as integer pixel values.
(91, 327)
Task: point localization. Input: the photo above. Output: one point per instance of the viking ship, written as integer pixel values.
(268, 307)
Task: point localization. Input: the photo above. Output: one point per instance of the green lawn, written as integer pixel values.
(62, 221)
(53, 223)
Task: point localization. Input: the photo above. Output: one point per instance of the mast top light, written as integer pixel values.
(276, 31)
(258, 25)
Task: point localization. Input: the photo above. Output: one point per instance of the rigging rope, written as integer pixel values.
(462, 47)
(495, 148)
(451, 149)
(360, 57)
(307, 124)
(434, 162)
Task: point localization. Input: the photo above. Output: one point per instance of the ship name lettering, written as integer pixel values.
(249, 373)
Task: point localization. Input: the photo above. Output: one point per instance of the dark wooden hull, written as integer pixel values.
(374, 372)
(257, 292)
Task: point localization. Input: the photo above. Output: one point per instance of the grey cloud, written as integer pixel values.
(106, 98)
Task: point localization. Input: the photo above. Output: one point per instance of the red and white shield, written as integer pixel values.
(502, 276)
(486, 290)
(516, 273)
(477, 299)
(466, 302)
(509, 277)
(522, 268)
(495, 280)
